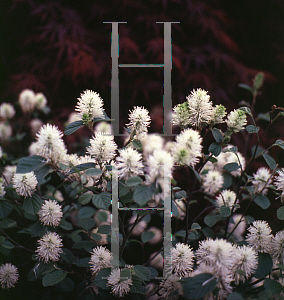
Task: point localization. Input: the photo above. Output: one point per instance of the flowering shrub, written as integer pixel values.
(56, 226)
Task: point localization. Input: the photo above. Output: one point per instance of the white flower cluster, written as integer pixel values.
(139, 121)
(89, 106)
(50, 213)
(49, 143)
(119, 286)
(25, 184)
(236, 120)
(279, 182)
(7, 111)
(187, 148)
(198, 111)
(8, 275)
(29, 101)
(49, 248)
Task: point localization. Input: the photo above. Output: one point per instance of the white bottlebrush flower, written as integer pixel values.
(159, 166)
(168, 286)
(89, 106)
(279, 180)
(182, 259)
(5, 131)
(246, 260)
(200, 108)
(50, 143)
(139, 121)
(49, 248)
(236, 120)
(50, 213)
(25, 184)
(102, 147)
(180, 115)
(187, 148)
(226, 198)
(277, 247)
(119, 286)
(8, 275)
(129, 163)
(7, 111)
(151, 142)
(8, 173)
(104, 127)
(40, 101)
(262, 178)
(259, 236)
(219, 112)
(101, 258)
(27, 101)
(219, 254)
(35, 126)
(212, 182)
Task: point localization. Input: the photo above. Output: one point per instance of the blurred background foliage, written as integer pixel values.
(62, 47)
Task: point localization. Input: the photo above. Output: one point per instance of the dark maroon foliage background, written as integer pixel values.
(61, 48)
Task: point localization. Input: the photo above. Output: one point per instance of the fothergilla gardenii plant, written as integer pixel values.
(56, 207)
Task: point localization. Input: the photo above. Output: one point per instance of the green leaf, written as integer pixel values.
(264, 266)
(104, 229)
(249, 219)
(280, 213)
(231, 167)
(67, 255)
(102, 216)
(93, 172)
(262, 201)
(137, 287)
(83, 262)
(228, 180)
(85, 198)
(32, 204)
(30, 163)
(270, 161)
(7, 245)
(72, 127)
(245, 109)
(235, 296)
(87, 223)
(88, 245)
(215, 149)
(65, 225)
(208, 232)
(153, 272)
(142, 272)
(246, 87)
(125, 274)
(101, 278)
(2, 239)
(5, 209)
(279, 143)
(252, 129)
(53, 277)
(210, 220)
(195, 226)
(225, 211)
(137, 144)
(133, 181)
(198, 286)
(196, 174)
(82, 167)
(217, 134)
(142, 194)
(8, 223)
(86, 212)
(147, 236)
(102, 200)
(258, 80)
(273, 286)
